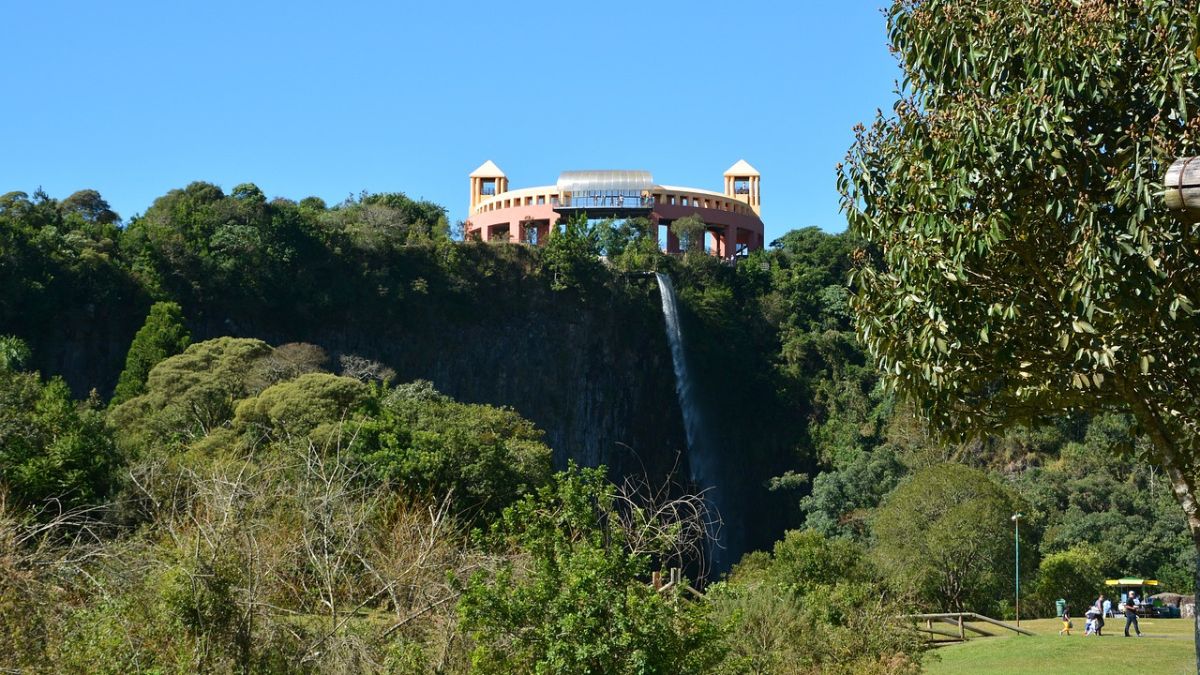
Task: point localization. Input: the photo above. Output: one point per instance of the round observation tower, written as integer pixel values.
(732, 218)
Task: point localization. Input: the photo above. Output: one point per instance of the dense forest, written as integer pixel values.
(252, 434)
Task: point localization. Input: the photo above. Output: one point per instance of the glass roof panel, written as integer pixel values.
(622, 181)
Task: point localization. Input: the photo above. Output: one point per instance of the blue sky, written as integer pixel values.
(327, 99)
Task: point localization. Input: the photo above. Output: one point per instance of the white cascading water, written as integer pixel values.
(700, 459)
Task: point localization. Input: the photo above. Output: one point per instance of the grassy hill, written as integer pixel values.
(1166, 648)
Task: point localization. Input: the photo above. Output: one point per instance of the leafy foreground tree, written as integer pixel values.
(1019, 262)
(161, 336)
(573, 599)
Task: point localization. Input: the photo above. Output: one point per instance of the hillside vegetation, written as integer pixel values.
(341, 441)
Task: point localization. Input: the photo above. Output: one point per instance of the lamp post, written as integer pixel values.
(1016, 518)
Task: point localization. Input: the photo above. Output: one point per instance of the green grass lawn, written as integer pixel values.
(1166, 648)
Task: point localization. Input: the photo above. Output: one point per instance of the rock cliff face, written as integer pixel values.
(594, 373)
(591, 367)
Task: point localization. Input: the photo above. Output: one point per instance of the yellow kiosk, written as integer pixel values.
(1144, 587)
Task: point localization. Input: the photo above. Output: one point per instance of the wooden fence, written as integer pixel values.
(960, 623)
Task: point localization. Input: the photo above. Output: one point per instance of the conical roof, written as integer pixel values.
(488, 170)
(742, 168)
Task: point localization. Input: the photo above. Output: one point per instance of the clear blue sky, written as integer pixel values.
(327, 99)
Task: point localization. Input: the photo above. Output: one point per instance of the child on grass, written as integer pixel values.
(1066, 619)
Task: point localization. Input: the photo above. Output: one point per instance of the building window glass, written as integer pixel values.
(541, 200)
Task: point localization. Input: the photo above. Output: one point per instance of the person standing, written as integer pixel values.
(1108, 608)
(1131, 617)
(1099, 607)
(1066, 619)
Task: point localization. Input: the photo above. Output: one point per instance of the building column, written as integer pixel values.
(672, 241)
(514, 232)
(731, 237)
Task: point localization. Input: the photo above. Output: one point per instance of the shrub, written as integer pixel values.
(300, 406)
(485, 457)
(189, 395)
(812, 605)
(52, 447)
(577, 601)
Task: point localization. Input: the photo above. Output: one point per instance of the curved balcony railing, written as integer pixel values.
(605, 202)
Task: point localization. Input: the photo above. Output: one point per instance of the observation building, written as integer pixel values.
(526, 215)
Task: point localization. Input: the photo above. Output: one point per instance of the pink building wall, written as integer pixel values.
(729, 228)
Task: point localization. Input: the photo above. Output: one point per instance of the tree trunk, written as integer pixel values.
(1195, 617)
(1186, 495)
(1182, 484)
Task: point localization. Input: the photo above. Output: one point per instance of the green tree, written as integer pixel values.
(14, 353)
(190, 395)
(1098, 491)
(945, 536)
(90, 206)
(1019, 262)
(1075, 575)
(162, 335)
(690, 231)
(579, 602)
(570, 257)
(484, 457)
(842, 499)
(51, 446)
(248, 192)
(615, 237)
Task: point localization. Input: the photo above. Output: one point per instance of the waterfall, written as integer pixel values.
(701, 457)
